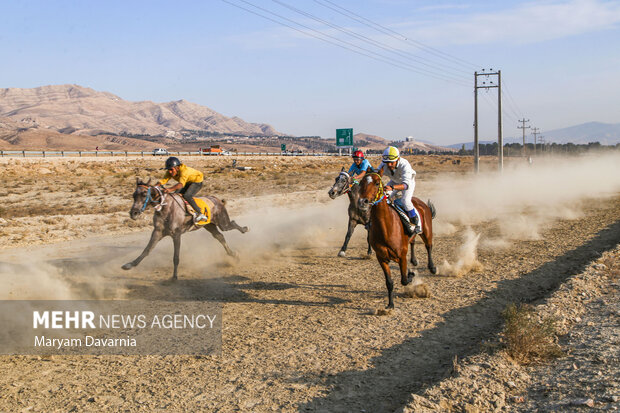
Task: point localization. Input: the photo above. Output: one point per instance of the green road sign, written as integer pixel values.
(344, 137)
(283, 147)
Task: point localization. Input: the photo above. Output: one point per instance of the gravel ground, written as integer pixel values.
(587, 310)
(300, 330)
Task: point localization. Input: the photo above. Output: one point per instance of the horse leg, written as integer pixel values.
(220, 237)
(226, 224)
(351, 228)
(176, 240)
(156, 235)
(429, 249)
(413, 260)
(385, 266)
(405, 276)
(368, 241)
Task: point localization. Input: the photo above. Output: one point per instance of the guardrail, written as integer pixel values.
(51, 154)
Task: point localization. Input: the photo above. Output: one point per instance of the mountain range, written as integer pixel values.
(73, 109)
(604, 133)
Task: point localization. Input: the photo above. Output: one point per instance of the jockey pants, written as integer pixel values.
(189, 191)
(404, 197)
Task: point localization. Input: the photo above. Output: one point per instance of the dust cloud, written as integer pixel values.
(467, 257)
(276, 230)
(76, 270)
(523, 200)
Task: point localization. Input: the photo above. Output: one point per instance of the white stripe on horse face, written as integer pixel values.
(369, 179)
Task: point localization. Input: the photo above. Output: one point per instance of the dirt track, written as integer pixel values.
(299, 333)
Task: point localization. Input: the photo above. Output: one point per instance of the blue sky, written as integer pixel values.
(560, 60)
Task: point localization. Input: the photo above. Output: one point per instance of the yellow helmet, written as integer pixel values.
(390, 154)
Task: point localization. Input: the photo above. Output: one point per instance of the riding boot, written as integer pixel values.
(409, 229)
(415, 220)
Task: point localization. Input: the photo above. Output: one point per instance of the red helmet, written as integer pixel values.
(358, 155)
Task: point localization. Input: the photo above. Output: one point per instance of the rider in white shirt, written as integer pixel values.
(402, 181)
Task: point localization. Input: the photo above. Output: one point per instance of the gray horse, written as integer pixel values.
(171, 219)
(345, 184)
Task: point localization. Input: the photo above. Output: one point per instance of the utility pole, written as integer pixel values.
(541, 139)
(500, 143)
(535, 132)
(476, 149)
(500, 134)
(524, 128)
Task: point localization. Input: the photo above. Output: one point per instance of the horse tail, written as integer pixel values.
(432, 208)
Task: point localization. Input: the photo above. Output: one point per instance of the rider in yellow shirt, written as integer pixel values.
(189, 183)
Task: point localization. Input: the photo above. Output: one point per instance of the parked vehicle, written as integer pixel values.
(214, 150)
(160, 151)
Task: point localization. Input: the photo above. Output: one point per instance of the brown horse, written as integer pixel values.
(171, 219)
(387, 235)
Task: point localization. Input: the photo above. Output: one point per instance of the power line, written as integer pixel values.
(392, 33)
(375, 43)
(336, 42)
(518, 111)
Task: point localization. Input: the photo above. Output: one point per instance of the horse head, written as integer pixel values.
(341, 186)
(371, 189)
(141, 197)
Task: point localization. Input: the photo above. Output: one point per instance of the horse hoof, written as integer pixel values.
(127, 266)
(414, 263)
(410, 276)
(245, 229)
(342, 254)
(389, 306)
(433, 270)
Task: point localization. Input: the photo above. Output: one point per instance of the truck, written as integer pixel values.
(213, 150)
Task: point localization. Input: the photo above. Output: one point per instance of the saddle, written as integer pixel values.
(205, 206)
(407, 225)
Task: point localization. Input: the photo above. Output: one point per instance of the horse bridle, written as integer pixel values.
(149, 198)
(381, 195)
(351, 184)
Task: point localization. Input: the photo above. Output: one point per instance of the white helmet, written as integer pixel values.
(390, 154)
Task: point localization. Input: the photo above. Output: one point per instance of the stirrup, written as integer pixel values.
(200, 217)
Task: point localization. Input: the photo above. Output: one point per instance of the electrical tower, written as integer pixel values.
(524, 128)
(487, 84)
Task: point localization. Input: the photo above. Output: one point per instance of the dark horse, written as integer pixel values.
(387, 236)
(345, 184)
(171, 219)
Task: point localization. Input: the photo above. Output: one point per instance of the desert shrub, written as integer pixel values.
(528, 339)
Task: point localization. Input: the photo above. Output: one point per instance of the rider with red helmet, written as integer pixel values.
(360, 165)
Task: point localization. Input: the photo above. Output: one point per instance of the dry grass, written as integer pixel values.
(528, 339)
(612, 267)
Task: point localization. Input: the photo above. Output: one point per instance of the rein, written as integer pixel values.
(380, 194)
(351, 184)
(149, 198)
